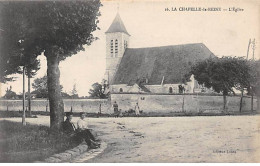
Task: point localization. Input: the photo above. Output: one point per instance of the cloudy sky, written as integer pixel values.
(225, 33)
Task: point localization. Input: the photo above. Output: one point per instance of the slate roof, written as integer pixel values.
(117, 26)
(154, 63)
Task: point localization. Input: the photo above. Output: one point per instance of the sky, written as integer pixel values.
(225, 33)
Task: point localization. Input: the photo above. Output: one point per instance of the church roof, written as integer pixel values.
(117, 26)
(170, 63)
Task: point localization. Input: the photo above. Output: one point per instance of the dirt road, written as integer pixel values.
(176, 139)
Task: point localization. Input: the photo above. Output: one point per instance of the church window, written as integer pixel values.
(121, 90)
(112, 47)
(170, 90)
(116, 48)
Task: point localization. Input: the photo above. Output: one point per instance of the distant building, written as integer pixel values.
(161, 69)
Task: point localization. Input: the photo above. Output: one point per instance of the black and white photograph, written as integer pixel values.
(129, 81)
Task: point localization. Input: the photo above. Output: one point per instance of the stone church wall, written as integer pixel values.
(173, 103)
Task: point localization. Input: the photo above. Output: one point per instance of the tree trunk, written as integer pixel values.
(23, 116)
(225, 103)
(29, 93)
(241, 101)
(54, 92)
(183, 104)
(252, 102)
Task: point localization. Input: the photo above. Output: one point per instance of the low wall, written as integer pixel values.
(78, 105)
(147, 103)
(174, 103)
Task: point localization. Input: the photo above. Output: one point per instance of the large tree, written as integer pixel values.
(222, 74)
(254, 89)
(17, 52)
(61, 29)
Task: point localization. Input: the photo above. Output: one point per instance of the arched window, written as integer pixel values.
(120, 90)
(112, 47)
(116, 48)
(170, 90)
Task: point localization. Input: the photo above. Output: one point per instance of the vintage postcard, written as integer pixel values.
(130, 81)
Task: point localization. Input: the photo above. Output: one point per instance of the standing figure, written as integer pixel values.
(137, 110)
(115, 106)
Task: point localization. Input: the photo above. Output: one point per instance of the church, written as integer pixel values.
(150, 70)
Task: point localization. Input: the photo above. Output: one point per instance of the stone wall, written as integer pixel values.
(78, 105)
(174, 103)
(148, 103)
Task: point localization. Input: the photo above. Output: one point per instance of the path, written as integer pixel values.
(176, 139)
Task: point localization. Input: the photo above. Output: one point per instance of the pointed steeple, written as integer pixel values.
(117, 26)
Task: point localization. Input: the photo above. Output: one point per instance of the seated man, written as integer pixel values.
(82, 127)
(68, 126)
(70, 129)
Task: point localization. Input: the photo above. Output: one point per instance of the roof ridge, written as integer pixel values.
(169, 45)
(172, 62)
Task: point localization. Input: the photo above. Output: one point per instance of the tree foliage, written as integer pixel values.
(15, 50)
(40, 87)
(9, 94)
(223, 74)
(97, 91)
(74, 92)
(254, 89)
(60, 29)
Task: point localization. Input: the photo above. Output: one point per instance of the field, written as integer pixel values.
(175, 139)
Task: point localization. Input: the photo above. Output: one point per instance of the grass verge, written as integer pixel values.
(30, 143)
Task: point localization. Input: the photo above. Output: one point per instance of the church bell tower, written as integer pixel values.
(117, 40)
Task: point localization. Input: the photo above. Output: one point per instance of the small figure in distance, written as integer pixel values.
(115, 106)
(137, 110)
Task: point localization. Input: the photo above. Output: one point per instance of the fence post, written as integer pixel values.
(183, 104)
